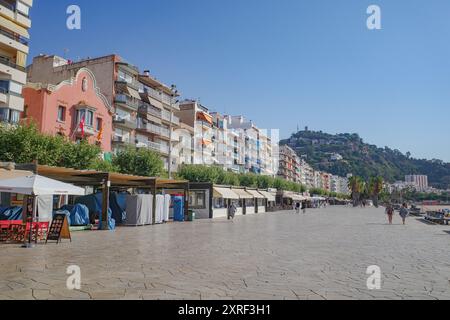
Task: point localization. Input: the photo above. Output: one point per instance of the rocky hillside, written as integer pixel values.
(342, 154)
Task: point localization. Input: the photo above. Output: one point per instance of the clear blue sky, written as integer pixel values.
(282, 63)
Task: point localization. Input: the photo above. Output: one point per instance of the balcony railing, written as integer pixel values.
(146, 108)
(129, 101)
(13, 36)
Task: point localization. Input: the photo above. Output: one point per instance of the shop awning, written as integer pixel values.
(294, 196)
(256, 194)
(8, 24)
(271, 197)
(243, 194)
(225, 193)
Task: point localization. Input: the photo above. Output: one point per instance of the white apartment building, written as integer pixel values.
(419, 182)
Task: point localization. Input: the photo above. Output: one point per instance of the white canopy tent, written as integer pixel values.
(36, 185)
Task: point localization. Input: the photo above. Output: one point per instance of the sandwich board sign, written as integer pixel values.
(59, 229)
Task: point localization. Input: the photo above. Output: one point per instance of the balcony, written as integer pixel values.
(125, 100)
(125, 122)
(134, 84)
(121, 140)
(166, 116)
(145, 108)
(7, 62)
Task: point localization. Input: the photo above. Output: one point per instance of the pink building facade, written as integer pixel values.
(60, 109)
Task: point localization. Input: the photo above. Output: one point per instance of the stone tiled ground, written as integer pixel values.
(321, 255)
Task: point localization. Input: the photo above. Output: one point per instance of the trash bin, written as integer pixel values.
(191, 216)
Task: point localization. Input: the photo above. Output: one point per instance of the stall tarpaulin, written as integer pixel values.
(138, 210)
(167, 201)
(44, 205)
(159, 209)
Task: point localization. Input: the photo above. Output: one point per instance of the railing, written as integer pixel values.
(135, 85)
(146, 108)
(14, 37)
(8, 5)
(165, 132)
(129, 101)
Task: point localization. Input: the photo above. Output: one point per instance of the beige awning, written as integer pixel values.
(225, 193)
(134, 93)
(8, 24)
(256, 194)
(271, 197)
(243, 194)
(294, 196)
(155, 103)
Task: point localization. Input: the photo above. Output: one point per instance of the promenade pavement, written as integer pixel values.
(323, 254)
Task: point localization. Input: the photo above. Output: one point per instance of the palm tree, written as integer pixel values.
(376, 185)
(356, 185)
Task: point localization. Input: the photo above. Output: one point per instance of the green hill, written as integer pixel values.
(363, 159)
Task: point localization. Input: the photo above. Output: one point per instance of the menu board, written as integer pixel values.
(59, 229)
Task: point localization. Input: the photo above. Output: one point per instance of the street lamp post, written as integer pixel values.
(174, 93)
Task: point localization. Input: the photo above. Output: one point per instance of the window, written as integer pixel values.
(14, 116)
(4, 115)
(125, 77)
(15, 87)
(61, 114)
(9, 115)
(88, 116)
(99, 124)
(4, 86)
(197, 199)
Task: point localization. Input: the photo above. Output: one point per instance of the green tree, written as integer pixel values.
(142, 162)
(24, 144)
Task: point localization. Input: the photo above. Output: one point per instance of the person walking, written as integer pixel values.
(404, 213)
(390, 213)
(304, 207)
(297, 208)
(232, 211)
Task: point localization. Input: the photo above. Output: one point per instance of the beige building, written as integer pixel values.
(290, 165)
(14, 25)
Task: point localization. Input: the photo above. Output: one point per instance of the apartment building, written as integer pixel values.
(185, 148)
(192, 113)
(258, 148)
(306, 174)
(290, 165)
(143, 107)
(157, 121)
(14, 25)
(339, 185)
(419, 182)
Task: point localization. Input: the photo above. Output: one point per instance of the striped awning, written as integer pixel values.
(271, 197)
(225, 193)
(134, 93)
(242, 194)
(256, 194)
(202, 116)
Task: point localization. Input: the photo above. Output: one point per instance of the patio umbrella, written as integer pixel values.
(39, 186)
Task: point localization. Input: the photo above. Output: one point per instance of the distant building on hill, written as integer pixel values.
(419, 182)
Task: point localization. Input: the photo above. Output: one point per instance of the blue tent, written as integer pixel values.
(11, 214)
(118, 203)
(94, 204)
(78, 215)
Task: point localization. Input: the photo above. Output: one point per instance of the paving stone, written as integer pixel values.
(321, 255)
